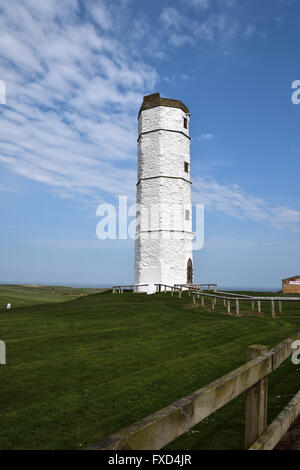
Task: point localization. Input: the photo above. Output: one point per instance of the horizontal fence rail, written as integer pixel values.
(279, 427)
(234, 294)
(159, 429)
(132, 287)
(199, 286)
(229, 298)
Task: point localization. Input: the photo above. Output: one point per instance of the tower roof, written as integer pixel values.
(152, 101)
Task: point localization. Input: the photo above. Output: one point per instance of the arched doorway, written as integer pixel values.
(190, 272)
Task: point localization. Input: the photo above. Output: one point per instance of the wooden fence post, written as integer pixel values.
(202, 301)
(259, 306)
(194, 299)
(228, 307)
(252, 306)
(179, 293)
(213, 303)
(273, 308)
(256, 401)
(280, 306)
(224, 302)
(237, 306)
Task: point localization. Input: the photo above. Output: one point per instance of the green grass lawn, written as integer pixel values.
(21, 295)
(80, 370)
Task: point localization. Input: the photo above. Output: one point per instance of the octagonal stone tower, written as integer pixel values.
(163, 246)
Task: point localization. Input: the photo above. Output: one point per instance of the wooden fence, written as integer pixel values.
(159, 429)
(229, 299)
(200, 287)
(165, 287)
(159, 288)
(131, 287)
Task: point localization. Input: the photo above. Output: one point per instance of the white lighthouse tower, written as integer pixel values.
(163, 247)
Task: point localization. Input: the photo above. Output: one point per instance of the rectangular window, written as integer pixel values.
(185, 123)
(186, 167)
(187, 215)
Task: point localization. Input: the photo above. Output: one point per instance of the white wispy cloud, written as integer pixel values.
(100, 14)
(233, 201)
(205, 4)
(249, 31)
(217, 27)
(73, 91)
(204, 137)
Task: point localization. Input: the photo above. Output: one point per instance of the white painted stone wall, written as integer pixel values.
(164, 236)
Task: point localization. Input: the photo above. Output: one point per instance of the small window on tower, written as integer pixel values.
(186, 167)
(187, 215)
(185, 123)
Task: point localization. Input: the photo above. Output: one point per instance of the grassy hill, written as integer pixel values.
(21, 295)
(80, 370)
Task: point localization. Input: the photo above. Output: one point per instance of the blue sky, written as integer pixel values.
(75, 74)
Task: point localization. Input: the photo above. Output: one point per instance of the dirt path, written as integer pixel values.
(291, 440)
